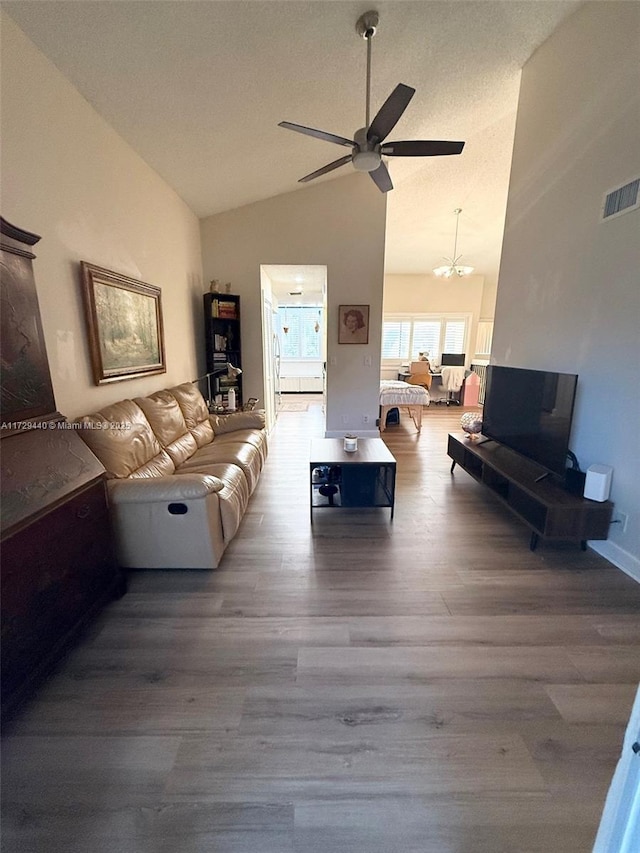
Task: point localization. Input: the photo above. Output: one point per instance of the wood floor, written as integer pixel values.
(427, 685)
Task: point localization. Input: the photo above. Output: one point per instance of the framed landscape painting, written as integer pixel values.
(124, 325)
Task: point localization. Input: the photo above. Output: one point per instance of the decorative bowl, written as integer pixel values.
(471, 422)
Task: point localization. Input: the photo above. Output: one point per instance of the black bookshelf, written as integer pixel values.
(223, 343)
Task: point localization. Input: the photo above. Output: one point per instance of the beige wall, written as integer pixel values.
(339, 224)
(67, 176)
(489, 296)
(426, 294)
(569, 287)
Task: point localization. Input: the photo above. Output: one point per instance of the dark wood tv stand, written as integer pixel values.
(547, 509)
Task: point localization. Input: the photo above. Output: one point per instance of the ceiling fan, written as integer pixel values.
(367, 145)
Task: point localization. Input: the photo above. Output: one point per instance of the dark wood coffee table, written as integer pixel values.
(364, 478)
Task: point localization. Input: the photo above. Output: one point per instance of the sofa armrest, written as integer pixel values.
(162, 489)
(237, 420)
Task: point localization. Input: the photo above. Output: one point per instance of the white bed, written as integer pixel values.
(396, 394)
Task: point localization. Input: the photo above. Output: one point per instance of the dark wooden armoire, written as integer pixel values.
(57, 559)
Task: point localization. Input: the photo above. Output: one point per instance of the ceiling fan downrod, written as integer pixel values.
(367, 26)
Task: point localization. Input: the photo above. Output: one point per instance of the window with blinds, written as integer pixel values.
(404, 336)
(485, 336)
(301, 340)
(455, 332)
(396, 338)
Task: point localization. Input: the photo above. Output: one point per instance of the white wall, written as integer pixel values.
(339, 224)
(67, 176)
(569, 286)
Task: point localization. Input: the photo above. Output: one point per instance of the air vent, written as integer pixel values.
(621, 200)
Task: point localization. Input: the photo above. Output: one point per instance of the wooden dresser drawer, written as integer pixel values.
(56, 572)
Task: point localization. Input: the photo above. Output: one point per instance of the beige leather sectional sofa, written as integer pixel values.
(179, 479)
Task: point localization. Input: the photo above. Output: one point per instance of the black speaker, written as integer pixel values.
(574, 481)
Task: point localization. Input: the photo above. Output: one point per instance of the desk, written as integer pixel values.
(436, 391)
(435, 377)
(441, 395)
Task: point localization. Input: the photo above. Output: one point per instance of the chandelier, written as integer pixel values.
(453, 267)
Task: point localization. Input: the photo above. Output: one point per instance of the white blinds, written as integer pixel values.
(301, 340)
(404, 337)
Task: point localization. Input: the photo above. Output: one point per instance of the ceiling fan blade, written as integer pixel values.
(319, 134)
(421, 148)
(328, 168)
(382, 178)
(389, 113)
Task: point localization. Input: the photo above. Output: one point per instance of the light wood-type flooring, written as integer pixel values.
(427, 685)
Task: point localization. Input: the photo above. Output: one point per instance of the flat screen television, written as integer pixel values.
(530, 411)
(452, 359)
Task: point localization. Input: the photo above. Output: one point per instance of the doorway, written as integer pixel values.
(294, 332)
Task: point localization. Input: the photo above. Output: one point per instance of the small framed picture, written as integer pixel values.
(353, 325)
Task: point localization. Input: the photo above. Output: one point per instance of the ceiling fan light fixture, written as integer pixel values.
(444, 271)
(366, 161)
(463, 270)
(453, 267)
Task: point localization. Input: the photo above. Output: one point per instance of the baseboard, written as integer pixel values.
(361, 433)
(620, 558)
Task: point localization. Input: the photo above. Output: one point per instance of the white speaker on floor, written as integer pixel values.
(598, 482)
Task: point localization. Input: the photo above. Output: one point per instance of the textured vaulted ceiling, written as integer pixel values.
(198, 89)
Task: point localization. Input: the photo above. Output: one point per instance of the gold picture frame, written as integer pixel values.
(353, 324)
(124, 325)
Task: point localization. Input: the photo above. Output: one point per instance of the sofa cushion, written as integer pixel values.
(256, 437)
(195, 412)
(159, 466)
(167, 421)
(238, 420)
(233, 497)
(122, 439)
(239, 453)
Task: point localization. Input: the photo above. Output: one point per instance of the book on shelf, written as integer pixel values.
(224, 309)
